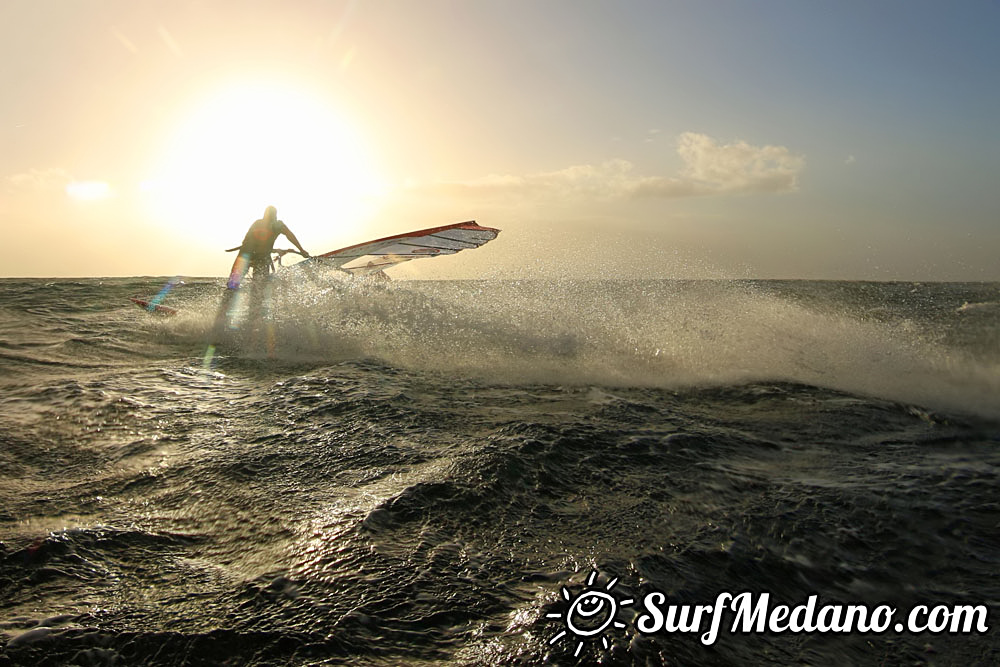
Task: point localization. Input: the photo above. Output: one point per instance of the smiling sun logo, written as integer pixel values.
(590, 613)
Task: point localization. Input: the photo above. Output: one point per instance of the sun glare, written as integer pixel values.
(248, 146)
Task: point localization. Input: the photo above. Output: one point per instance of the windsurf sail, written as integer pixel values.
(380, 254)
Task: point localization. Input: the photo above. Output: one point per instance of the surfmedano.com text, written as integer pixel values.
(750, 615)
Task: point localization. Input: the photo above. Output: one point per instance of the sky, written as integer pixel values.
(772, 139)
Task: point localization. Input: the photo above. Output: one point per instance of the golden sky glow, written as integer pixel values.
(142, 138)
(252, 141)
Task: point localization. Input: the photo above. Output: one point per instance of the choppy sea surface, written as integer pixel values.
(413, 472)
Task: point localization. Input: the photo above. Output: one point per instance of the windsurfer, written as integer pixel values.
(254, 253)
(258, 244)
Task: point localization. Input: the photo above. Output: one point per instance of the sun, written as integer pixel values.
(248, 145)
(590, 613)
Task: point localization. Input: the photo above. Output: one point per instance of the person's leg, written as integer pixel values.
(224, 314)
(258, 305)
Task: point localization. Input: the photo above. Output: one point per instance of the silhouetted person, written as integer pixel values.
(254, 253)
(257, 246)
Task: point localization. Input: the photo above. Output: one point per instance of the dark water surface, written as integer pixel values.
(411, 473)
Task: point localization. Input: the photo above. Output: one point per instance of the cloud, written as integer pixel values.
(738, 167)
(710, 168)
(39, 180)
(88, 190)
(607, 180)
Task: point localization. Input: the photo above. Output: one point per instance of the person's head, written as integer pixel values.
(271, 215)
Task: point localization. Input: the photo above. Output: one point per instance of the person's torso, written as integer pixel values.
(260, 238)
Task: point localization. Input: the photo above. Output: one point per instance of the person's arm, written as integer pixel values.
(291, 237)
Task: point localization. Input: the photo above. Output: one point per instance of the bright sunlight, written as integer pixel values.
(251, 145)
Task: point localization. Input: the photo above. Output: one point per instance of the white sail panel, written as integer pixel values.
(382, 253)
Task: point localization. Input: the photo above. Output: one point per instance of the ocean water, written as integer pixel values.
(429, 472)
